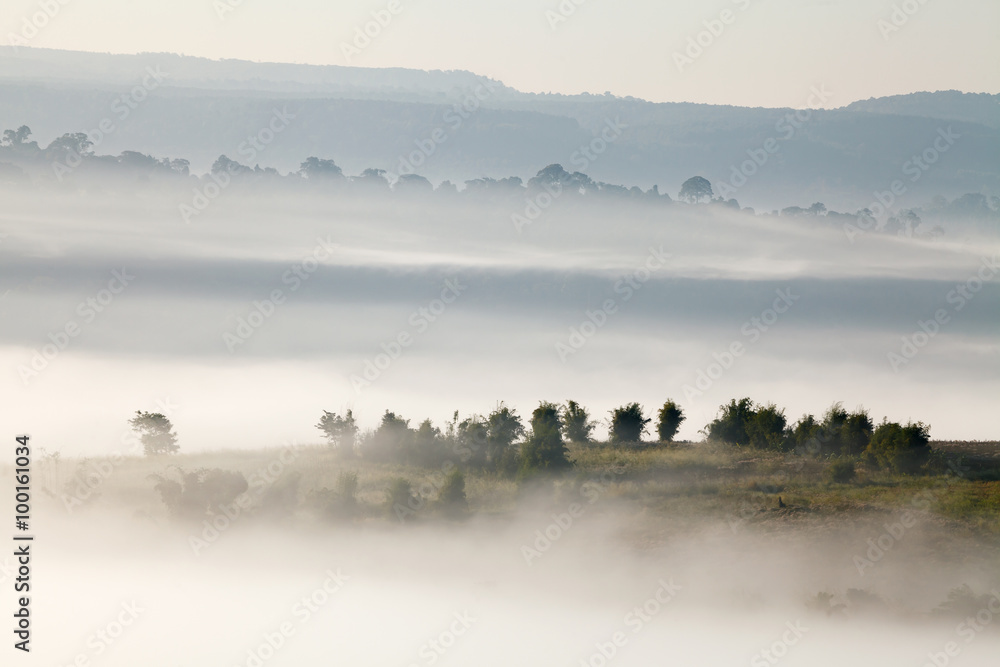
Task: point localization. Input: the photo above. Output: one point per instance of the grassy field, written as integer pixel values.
(679, 483)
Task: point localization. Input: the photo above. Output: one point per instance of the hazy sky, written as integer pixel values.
(769, 54)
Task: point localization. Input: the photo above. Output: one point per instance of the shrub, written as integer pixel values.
(390, 441)
(904, 449)
(400, 501)
(670, 418)
(841, 471)
(339, 502)
(731, 425)
(503, 428)
(451, 497)
(766, 428)
(577, 426)
(199, 492)
(545, 449)
(628, 424)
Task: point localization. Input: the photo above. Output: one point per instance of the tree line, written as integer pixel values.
(501, 443)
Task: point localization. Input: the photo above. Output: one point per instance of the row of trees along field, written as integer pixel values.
(500, 442)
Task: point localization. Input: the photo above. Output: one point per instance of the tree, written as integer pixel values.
(413, 183)
(503, 428)
(766, 428)
(223, 164)
(155, 432)
(16, 137)
(670, 418)
(731, 425)
(695, 190)
(628, 423)
(315, 168)
(68, 144)
(391, 440)
(340, 432)
(545, 449)
(577, 425)
(904, 449)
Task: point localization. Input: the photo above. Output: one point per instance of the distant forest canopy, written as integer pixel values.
(70, 159)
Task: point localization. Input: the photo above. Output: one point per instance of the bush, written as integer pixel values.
(766, 428)
(904, 449)
(503, 428)
(731, 425)
(451, 497)
(400, 501)
(628, 424)
(670, 418)
(340, 502)
(841, 471)
(390, 441)
(545, 449)
(576, 423)
(199, 492)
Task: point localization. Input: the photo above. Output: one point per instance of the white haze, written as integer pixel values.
(161, 340)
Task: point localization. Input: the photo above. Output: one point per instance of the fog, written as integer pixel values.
(682, 284)
(700, 591)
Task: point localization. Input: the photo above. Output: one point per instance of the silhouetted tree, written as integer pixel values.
(577, 425)
(315, 168)
(670, 418)
(544, 450)
(731, 425)
(695, 190)
(904, 449)
(628, 423)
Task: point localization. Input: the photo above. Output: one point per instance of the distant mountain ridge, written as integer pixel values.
(386, 118)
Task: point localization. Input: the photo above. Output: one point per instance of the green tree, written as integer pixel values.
(628, 423)
(766, 428)
(577, 425)
(155, 432)
(669, 420)
(504, 427)
(545, 449)
(904, 449)
(731, 425)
